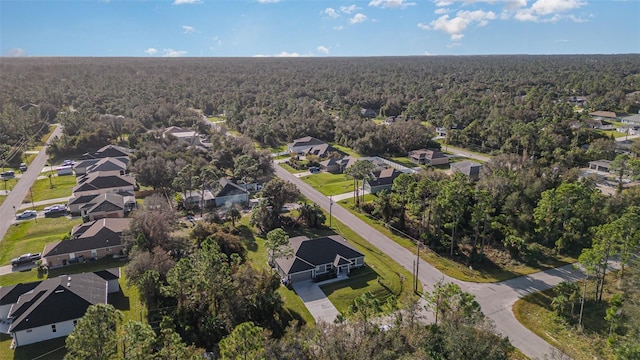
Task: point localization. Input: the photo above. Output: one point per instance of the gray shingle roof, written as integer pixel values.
(309, 253)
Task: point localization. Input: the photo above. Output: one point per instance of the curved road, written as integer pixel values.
(496, 299)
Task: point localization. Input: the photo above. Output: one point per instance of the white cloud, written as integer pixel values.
(457, 25)
(358, 18)
(151, 51)
(288, 54)
(444, 3)
(338, 28)
(348, 9)
(322, 49)
(331, 12)
(550, 11)
(182, 2)
(261, 55)
(441, 11)
(15, 52)
(268, 1)
(173, 53)
(391, 4)
(188, 29)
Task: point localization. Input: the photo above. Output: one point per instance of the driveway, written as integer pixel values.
(316, 301)
(8, 269)
(496, 299)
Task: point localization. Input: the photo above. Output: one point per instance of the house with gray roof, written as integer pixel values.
(108, 205)
(469, 168)
(109, 151)
(313, 257)
(49, 309)
(99, 183)
(631, 119)
(310, 146)
(92, 240)
(381, 180)
(428, 157)
(231, 193)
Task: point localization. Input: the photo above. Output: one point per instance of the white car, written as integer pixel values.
(27, 214)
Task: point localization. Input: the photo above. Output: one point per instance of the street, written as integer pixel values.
(496, 299)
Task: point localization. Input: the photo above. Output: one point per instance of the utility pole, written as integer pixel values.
(330, 206)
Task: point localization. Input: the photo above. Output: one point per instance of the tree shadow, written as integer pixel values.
(358, 279)
(248, 238)
(120, 301)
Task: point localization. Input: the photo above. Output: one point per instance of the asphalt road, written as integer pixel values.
(496, 299)
(465, 153)
(20, 190)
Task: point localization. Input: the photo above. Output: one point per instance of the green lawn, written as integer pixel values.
(534, 312)
(290, 169)
(329, 184)
(31, 236)
(41, 189)
(346, 150)
(452, 268)
(404, 161)
(8, 184)
(613, 133)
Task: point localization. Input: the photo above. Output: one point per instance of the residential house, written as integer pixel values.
(109, 165)
(231, 193)
(108, 205)
(305, 145)
(99, 183)
(577, 100)
(629, 129)
(428, 157)
(469, 168)
(381, 180)
(92, 240)
(605, 115)
(194, 199)
(183, 135)
(631, 119)
(64, 170)
(313, 257)
(369, 113)
(113, 151)
(593, 123)
(50, 309)
(336, 166)
(600, 165)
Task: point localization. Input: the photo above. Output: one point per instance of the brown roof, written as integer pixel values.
(604, 114)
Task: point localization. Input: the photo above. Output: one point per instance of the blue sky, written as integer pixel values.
(175, 28)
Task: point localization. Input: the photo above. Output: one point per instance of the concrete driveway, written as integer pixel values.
(8, 269)
(316, 301)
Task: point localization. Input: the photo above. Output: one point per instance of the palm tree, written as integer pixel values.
(234, 214)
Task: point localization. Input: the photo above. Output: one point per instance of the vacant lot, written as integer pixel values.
(329, 184)
(56, 187)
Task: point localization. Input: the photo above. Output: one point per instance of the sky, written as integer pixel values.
(247, 28)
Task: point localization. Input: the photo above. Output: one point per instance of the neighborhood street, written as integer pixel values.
(13, 201)
(496, 299)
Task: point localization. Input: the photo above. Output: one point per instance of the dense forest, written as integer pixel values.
(530, 201)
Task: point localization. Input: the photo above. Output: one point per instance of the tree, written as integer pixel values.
(625, 166)
(359, 171)
(278, 245)
(94, 336)
(365, 307)
(151, 225)
(246, 341)
(312, 215)
(136, 341)
(263, 217)
(170, 344)
(453, 306)
(278, 192)
(453, 199)
(247, 169)
(382, 205)
(402, 186)
(233, 214)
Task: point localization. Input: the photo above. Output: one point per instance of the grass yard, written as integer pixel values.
(534, 312)
(404, 161)
(613, 133)
(346, 150)
(329, 184)
(290, 169)
(62, 187)
(31, 236)
(492, 273)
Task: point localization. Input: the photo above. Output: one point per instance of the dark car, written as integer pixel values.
(55, 211)
(23, 259)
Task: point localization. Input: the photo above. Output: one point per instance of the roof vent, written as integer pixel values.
(58, 291)
(69, 284)
(69, 278)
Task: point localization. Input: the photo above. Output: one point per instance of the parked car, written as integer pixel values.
(55, 210)
(67, 162)
(23, 167)
(24, 259)
(27, 214)
(7, 175)
(314, 169)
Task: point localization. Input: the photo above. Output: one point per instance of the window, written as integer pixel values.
(75, 322)
(53, 328)
(29, 330)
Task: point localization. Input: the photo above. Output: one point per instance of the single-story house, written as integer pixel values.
(92, 240)
(313, 257)
(50, 309)
(623, 147)
(604, 115)
(469, 168)
(113, 151)
(370, 113)
(109, 166)
(302, 145)
(186, 136)
(337, 165)
(428, 157)
(381, 180)
(600, 165)
(577, 100)
(594, 124)
(99, 183)
(108, 205)
(629, 129)
(631, 119)
(231, 193)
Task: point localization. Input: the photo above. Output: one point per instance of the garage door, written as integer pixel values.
(301, 276)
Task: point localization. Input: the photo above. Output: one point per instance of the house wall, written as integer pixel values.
(58, 260)
(4, 311)
(376, 189)
(234, 199)
(42, 333)
(113, 286)
(104, 214)
(440, 161)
